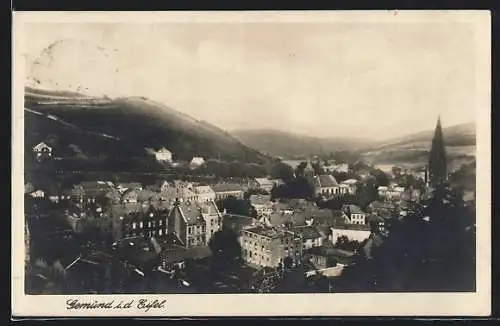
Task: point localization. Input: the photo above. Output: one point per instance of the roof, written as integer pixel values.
(307, 232)
(260, 199)
(197, 159)
(350, 182)
(174, 254)
(326, 181)
(208, 208)
(264, 181)
(227, 187)
(353, 209)
(41, 145)
(353, 227)
(191, 212)
(199, 252)
(130, 185)
(273, 233)
(203, 189)
(163, 150)
(238, 221)
(145, 195)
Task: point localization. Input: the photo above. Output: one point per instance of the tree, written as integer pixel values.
(235, 206)
(225, 248)
(396, 171)
(282, 171)
(381, 178)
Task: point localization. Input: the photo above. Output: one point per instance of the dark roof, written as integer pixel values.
(146, 195)
(307, 232)
(326, 180)
(130, 185)
(174, 254)
(260, 199)
(236, 222)
(199, 252)
(227, 187)
(270, 232)
(191, 212)
(353, 209)
(357, 227)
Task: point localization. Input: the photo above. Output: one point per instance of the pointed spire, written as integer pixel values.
(437, 157)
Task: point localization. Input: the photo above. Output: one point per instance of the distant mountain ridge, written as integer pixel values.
(290, 145)
(134, 123)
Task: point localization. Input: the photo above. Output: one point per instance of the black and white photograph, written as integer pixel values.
(247, 156)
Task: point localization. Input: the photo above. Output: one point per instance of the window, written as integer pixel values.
(160, 232)
(160, 222)
(149, 224)
(134, 225)
(141, 225)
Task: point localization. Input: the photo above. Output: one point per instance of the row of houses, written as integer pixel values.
(291, 231)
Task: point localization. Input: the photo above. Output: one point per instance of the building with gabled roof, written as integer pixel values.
(194, 223)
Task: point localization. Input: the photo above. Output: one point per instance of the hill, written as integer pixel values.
(290, 145)
(460, 143)
(125, 127)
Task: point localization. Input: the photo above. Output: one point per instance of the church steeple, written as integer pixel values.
(437, 157)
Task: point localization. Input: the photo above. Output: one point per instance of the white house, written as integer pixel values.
(391, 192)
(352, 232)
(163, 155)
(263, 183)
(42, 150)
(353, 214)
(326, 185)
(196, 162)
(351, 185)
(204, 194)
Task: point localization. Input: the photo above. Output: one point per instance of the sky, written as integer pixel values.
(368, 80)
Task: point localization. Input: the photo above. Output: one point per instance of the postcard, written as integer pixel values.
(286, 163)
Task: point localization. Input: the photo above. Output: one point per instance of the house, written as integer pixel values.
(328, 261)
(353, 214)
(238, 222)
(353, 232)
(196, 162)
(138, 222)
(36, 193)
(391, 192)
(163, 155)
(339, 168)
(469, 197)
(310, 236)
(159, 186)
(174, 257)
(187, 224)
(411, 194)
(262, 204)
(126, 186)
(225, 190)
(263, 184)
(42, 151)
(326, 185)
(212, 217)
(89, 191)
(351, 185)
(129, 196)
(204, 194)
(270, 247)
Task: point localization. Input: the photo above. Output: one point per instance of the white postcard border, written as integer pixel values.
(336, 304)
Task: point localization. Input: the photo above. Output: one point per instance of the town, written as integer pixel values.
(308, 225)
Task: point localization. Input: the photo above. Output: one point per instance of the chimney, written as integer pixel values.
(426, 174)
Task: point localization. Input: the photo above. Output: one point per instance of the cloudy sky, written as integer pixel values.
(375, 80)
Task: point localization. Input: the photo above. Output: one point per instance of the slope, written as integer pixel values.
(291, 145)
(139, 123)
